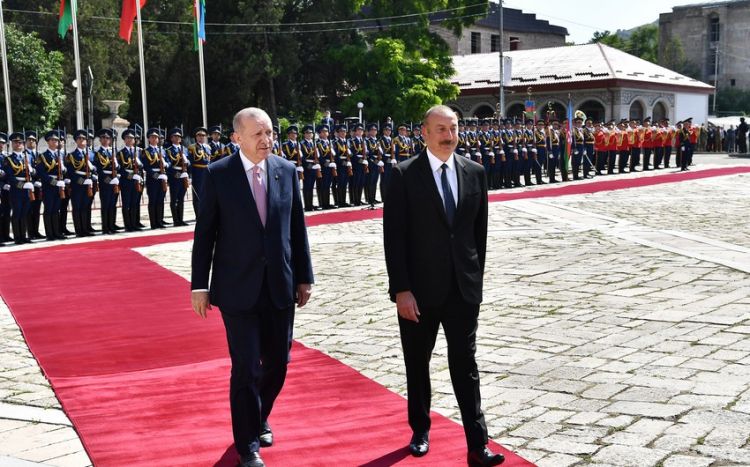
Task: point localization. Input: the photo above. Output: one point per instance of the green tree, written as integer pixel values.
(36, 87)
(643, 42)
(673, 57)
(733, 101)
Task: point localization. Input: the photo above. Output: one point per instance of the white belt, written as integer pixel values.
(78, 172)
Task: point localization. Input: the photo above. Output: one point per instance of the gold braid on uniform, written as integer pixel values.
(51, 166)
(77, 165)
(151, 160)
(17, 169)
(103, 160)
(127, 164)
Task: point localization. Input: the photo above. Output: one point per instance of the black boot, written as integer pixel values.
(135, 219)
(307, 200)
(17, 235)
(126, 219)
(48, 232)
(152, 217)
(86, 219)
(64, 223)
(57, 231)
(5, 229)
(160, 215)
(137, 214)
(181, 214)
(105, 221)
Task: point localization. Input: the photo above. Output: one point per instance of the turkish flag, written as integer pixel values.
(127, 17)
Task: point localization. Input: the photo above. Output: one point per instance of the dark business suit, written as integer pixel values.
(442, 264)
(255, 273)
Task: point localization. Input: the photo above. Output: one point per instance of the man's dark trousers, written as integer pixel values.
(259, 342)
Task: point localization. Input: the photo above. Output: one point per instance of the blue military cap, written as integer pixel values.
(372, 126)
(359, 126)
(214, 129)
(174, 132)
(80, 134)
(292, 129)
(472, 122)
(16, 136)
(276, 129)
(30, 134)
(153, 132)
(90, 133)
(322, 128)
(105, 132)
(402, 125)
(307, 128)
(3, 138)
(461, 123)
(198, 130)
(129, 132)
(340, 127)
(387, 127)
(485, 122)
(230, 132)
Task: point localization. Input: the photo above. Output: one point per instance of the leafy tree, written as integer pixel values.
(673, 57)
(607, 38)
(642, 42)
(732, 101)
(36, 87)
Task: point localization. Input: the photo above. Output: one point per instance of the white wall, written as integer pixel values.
(690, 105)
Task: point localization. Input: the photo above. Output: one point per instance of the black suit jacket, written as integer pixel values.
(231, 240)
(422, 251)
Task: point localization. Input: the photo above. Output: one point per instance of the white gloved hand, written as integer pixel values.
(184, 175)
(515, 151)
(88, 182)
(137, 178)
(575, 153)
(64, 169)
(363, 162)
(95, 177)
(114, 181)
(534, 151)
(6, 187)
(38, 184)
(316, 167)
(300, 169)
(380, 164)
(331, 165)
(524, 150)
(348, 164)
(551, 156)
(394, 161)
(162, 177)
(60, 184)
(67, 181)
(28, 186)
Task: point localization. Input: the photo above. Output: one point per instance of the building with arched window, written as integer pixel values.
(603, 82)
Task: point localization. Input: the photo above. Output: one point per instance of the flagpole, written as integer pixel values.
(77, 56)
(141, 61)
(6, 79)
(203, 82)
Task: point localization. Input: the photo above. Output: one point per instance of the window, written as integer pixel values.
(514, 42)
(714, 29)
(476, 43)
(495, 43)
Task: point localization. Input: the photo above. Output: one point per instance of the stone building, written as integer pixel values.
(521, 31)
(604, 82)
(711, 34)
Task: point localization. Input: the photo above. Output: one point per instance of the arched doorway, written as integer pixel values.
(660, 112)
(593, 110)
(484, 111)
(636, 110)
(458, 112)
(550, 110)
(515, 111)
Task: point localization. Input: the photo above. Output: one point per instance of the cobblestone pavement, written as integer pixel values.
(615, 330)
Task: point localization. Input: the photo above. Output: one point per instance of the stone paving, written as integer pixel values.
(615, 330)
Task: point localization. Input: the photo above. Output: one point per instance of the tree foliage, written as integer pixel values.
(673, 57)
(642, 42)
(36, 87)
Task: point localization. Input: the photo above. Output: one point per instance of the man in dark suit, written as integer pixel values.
(251, 233)
(435, 232)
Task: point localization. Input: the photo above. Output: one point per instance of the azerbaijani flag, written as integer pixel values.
(199, 27)
(66, 17)
(129, 13)
(569, 137)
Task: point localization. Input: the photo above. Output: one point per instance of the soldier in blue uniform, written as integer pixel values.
(64, 203)
(95, 179)
(507, 142)
(461, 147)
(5, 211)
(344, 166)
(312, 172)
(36, 206)
(276, 148)
(290, 149)
(528, 153)
(417, 140)
(541, 148)
(217, 148)
(155, 174)
(375, 163)
(80, 170)
(232, 146)
(360, 165)
(131, 181)
(17, 174)
(553, 154)
(589, 155)
(178, 173)
(327, 160)
(199, 156)
(51, 171)
(402, 144)
(105, 161)
(389, 160)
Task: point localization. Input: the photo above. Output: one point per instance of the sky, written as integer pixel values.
(584, 17)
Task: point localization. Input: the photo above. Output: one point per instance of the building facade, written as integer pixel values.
(713, 36)
(521, 31)
(603, 82)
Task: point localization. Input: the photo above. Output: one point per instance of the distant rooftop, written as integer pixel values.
(513, 21)
(709, 3)
(569, 64)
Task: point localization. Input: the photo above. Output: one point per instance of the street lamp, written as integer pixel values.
(360, 106)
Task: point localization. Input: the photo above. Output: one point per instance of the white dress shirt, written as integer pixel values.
(437, 172)
(248, 165)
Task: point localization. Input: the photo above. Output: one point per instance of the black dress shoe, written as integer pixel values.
(484, 457)
(266, 436)
(419, 444)
(251, 460)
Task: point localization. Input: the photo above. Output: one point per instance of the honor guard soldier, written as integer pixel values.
(461, 147)
(553, 155)
(612, 137)
(688, 138)
(376, 166)
(344, 166)
(601, 139)
(157, 182)
(131, 181)
(501, 168)
(635, 139)
(520, 152)
(105, 161)
(80, 171)
(417, 140)
(217, 148)
(539, 153)
(94, 177)
(36, 205)
(64, 203)
(508, 141)
(589, 140)
(402, 144)
(471, 140)
(659, 140)
(18, 176)
(649, 139)
(361, 166)
(276, 148)
(233, 146)
(51, 171)
(326, 158)
(290, 149)
(199, 156)
(5, 211)
(623, 145)
(389, 160)
(668, 142)
(178, 171)
(578, 146)
(528, 153)
(486, 152)
(312, 171)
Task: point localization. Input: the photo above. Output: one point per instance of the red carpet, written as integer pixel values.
(145, 381)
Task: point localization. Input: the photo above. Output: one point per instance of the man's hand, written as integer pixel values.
(201, 303)
(303, 294)
(407, 307)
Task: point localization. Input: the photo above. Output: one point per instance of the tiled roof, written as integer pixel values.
(569, 64)
(518, 21)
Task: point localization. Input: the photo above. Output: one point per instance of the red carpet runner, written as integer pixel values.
(145, 381)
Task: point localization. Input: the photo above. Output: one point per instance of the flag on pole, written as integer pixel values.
(127, 17)
(569, 136)
(199, 27)
(66, 17)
